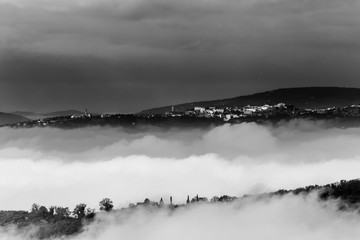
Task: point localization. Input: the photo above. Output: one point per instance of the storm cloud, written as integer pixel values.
(125, 56)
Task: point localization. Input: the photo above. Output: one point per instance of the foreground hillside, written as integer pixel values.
(57, 222)
(309, 97)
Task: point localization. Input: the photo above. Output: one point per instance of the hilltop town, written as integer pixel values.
(312, 103)
(197, 116)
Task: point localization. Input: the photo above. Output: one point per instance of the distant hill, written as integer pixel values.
(63, 113)
(308, 97)
(29, 115)
(25, 113)
(9, 118)
(35, 116)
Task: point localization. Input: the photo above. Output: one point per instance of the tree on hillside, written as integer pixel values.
(90, 213)
(106, 205)
(79, 210)
(62, 212)
(35, 207)
(52, 210)
(43, 211)
(39, 210)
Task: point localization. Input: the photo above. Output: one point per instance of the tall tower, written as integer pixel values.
(87, 114)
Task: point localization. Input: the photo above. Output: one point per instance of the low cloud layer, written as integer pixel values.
(63, 167)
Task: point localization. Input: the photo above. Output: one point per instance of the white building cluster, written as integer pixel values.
(228, 113)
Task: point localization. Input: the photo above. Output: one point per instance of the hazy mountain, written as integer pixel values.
(34, 116)
(309, 97)
(25, 113)
(9, 118)
(62, 113)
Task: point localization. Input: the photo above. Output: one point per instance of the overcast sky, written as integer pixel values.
(129, 55)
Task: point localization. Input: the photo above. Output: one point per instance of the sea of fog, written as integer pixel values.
(66, 167)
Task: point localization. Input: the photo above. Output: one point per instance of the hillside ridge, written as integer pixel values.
(10, 118)
(303, 97)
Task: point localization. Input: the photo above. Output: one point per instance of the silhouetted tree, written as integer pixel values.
(226, 198)
(62, 212)
(79, 210)
(43, 211)
(52, 210)
(199, 199)
(90, 213)
(35, 207)
(215, 199)
(106, 205)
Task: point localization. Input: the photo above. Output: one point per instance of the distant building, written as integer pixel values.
(199, 109)
(85, 115)
(227, 117)
(249, 111)
(189, 113)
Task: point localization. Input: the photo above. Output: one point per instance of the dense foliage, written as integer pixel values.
(43, 223)
(346, 191)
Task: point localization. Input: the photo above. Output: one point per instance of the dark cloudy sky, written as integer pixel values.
(127, 55)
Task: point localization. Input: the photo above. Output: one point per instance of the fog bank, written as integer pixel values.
(66, 167)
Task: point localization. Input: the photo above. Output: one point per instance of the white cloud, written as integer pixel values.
(66, 167)
(53, 166)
